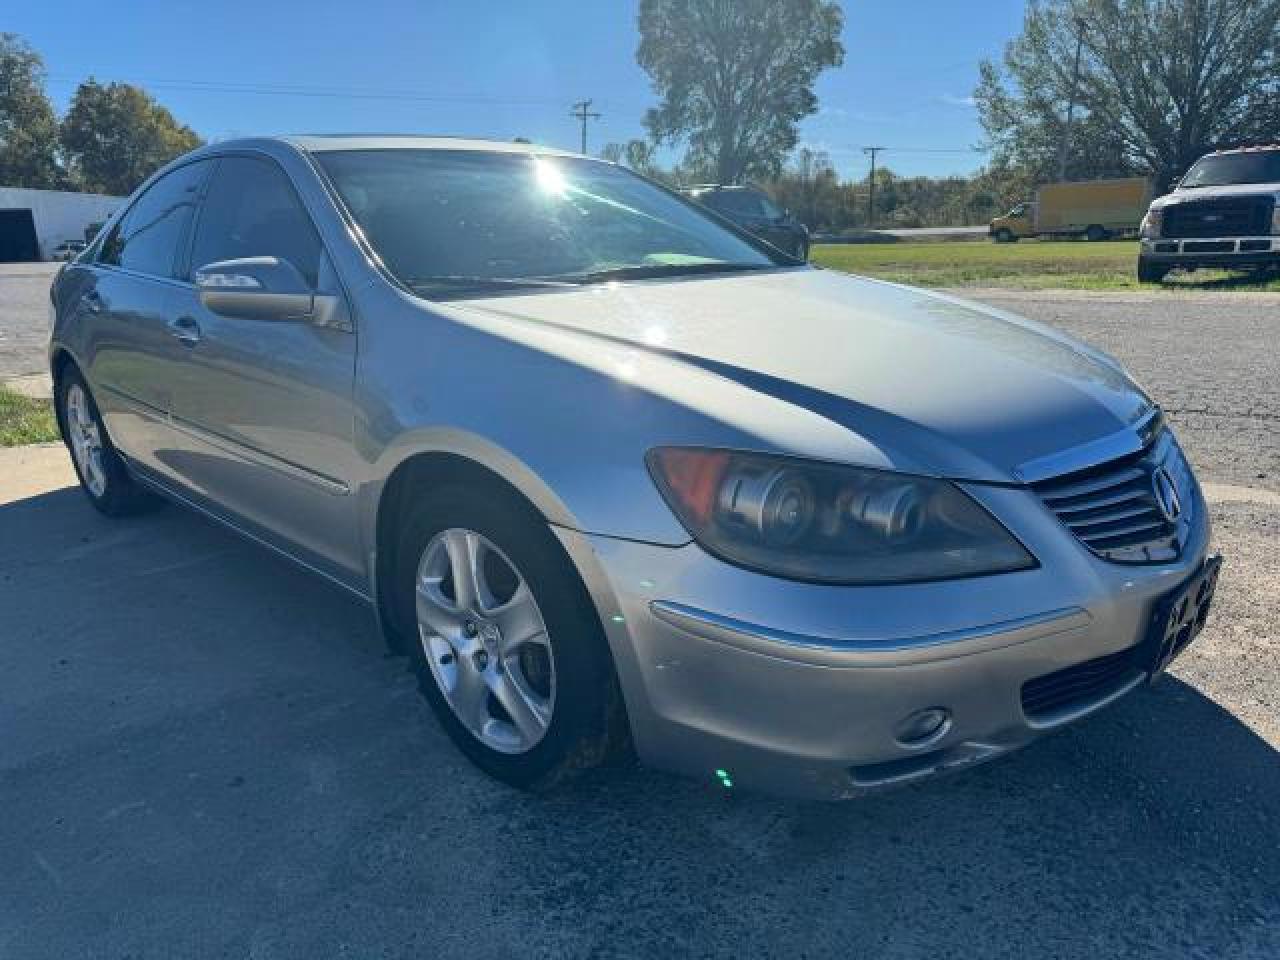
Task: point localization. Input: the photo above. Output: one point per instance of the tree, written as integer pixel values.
(735, 77)
(28, 126)
(115, 136)
(1161, 82)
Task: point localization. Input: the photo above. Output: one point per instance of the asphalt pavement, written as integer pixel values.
(205, 752)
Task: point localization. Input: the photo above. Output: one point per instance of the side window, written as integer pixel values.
(251, 210)
(148, 236)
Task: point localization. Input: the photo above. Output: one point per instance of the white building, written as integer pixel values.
(34, 222)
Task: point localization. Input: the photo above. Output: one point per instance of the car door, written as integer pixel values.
(128, 347)
(266, 406)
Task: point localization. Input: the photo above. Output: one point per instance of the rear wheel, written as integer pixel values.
(504, 639)
(103, 476)
(1005, 235)
(1096, 233)
(1150, 272)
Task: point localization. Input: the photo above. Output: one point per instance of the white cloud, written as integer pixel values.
(954, 101)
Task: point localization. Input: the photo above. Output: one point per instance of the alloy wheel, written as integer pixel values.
(86, 440)
(485, 640)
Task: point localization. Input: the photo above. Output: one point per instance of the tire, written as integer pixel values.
(1149, 272)
(1096, 233)
(802, 251)
(103, 476)
(581, 702)
(1005, 235)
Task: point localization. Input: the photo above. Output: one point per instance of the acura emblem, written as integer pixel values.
(1166, 494)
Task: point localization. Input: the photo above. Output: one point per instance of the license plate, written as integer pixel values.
(1179, 617)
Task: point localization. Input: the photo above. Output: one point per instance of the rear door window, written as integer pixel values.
(251, 210)
(149, 235)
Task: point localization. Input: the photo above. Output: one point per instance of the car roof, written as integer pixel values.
(1261, 148)
(321, 143)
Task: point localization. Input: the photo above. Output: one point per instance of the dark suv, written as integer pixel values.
(752, 210)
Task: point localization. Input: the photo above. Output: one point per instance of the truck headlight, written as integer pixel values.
(1151, 224)
(829, 523)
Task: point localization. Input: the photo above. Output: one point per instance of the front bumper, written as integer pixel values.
(802, 689)
(1213, 252)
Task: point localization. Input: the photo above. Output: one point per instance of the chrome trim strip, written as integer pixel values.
(146, 477)
(1131, 439)
(330, 485)
(829, 652)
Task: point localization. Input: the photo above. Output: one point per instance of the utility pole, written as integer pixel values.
(582, 111)
(1071, 105)
(871, 191)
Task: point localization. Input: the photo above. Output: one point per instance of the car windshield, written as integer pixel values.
(454, 219)
(1232, 168)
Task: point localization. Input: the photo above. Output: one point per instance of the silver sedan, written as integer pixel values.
(618, 477)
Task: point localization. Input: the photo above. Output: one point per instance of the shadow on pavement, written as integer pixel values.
(204, 751)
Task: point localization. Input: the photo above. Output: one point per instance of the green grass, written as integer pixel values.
(1029, 265)
(23, 420)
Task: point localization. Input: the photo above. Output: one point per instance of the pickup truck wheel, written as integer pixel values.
(1005, 235)
(1096, 233)
(504, 639)
(1149, 272)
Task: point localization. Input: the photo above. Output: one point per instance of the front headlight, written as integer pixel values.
(1151, 224)
(829, 523)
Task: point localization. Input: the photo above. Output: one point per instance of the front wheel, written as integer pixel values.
(1096, 234)
(1150, 272)
(1005, 235)
(509, 651)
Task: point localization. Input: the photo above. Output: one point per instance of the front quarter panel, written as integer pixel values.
(564, 418)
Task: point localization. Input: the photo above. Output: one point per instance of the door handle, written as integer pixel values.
(92, 301)
(185, 329)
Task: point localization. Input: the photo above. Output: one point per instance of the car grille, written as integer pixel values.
(1225, 217)
(1077, 686)
(1113, 508)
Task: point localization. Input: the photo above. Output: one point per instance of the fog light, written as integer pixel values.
(923, 726)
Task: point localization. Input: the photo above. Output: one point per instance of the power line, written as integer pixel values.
(582, 110)
(298, 90)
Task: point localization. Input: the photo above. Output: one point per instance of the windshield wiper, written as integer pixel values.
(654, 270)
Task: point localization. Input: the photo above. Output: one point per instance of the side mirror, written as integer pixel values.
(260, 288)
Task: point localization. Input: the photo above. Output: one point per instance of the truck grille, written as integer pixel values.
(1114, 510)
(1224, 217)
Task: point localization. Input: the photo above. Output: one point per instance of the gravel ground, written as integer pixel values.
(204, 752)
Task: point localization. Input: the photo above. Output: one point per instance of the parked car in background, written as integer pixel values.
(1224, 213)
(755, 212)
(1093, 209)
(613, 474)
(68, 250)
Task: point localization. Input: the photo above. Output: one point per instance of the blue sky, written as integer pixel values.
(502, 68)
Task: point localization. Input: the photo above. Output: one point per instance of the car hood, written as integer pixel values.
(938, 384)
(1193, 194)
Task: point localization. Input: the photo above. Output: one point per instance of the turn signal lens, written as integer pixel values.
(830, 523)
